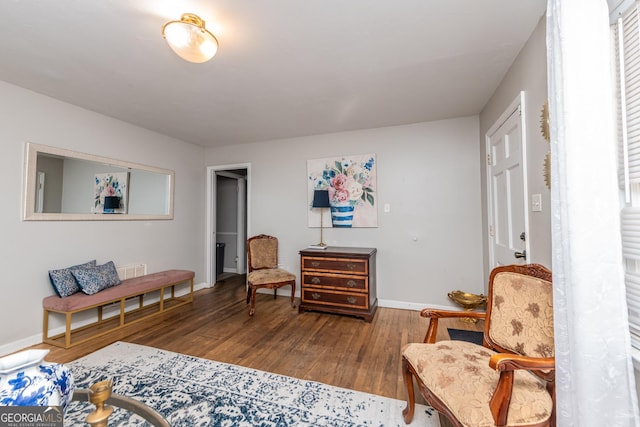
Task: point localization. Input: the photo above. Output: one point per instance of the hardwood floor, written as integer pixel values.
(338, 350)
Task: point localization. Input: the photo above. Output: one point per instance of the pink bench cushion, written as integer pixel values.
(128, 287)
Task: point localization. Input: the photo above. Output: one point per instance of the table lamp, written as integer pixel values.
(111, 203)
(321, 201)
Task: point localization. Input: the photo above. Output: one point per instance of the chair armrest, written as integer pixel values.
(433, 315)
(506, 364)
(511, 362)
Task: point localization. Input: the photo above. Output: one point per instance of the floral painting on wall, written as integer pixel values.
(351, 182)
(110, 185)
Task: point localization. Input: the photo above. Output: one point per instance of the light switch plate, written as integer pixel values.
(536, 203)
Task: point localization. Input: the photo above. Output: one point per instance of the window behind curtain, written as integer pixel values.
(627, 61)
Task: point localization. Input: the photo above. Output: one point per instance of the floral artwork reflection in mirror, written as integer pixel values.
(110, 187)
(351, 182)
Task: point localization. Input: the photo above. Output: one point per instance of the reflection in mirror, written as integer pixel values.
(67, 185)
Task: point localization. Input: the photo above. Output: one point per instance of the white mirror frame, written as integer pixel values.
(30, 180)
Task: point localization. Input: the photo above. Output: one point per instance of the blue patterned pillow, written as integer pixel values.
(93, 280)
(63, 281)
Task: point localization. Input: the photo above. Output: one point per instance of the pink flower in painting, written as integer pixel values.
(341, 195)
(109, 191)
(339, 182)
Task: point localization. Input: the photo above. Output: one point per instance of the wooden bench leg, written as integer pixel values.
(122, 301)
(191, 290)
(67, 332)
(45, 326)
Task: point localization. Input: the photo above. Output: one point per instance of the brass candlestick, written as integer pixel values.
(98, 395)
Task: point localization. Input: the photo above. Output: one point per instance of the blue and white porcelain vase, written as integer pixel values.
(27, 380)
(342, 214)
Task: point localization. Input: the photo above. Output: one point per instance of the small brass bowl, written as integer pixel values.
(468, 301)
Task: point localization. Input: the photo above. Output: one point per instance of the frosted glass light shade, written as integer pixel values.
(189, 38)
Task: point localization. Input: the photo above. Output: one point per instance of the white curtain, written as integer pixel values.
(595, 382)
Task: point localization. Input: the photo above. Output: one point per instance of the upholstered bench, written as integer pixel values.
(151, 284)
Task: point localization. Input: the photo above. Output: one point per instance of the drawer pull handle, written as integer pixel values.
(315, 280)
(351, 266)
(315, 295)
(315, 263)
(351, 284)
(351, 300)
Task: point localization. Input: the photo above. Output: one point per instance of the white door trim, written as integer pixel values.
(210, 249)
(242, 223)
(518, 104)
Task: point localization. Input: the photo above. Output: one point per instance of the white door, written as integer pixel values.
(40, 192)
(507, 187)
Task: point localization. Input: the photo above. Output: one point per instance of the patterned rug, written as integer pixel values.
(189, 391)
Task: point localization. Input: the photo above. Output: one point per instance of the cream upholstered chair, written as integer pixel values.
(262, 253)
(507, 382)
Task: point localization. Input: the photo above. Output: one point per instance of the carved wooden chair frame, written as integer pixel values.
(505, 361)
(252, 288)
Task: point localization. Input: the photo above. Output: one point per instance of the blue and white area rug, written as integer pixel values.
(189, 391)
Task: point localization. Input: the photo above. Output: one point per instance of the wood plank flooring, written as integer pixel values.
(338, 350)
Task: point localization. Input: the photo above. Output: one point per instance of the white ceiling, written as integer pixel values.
(284, 68)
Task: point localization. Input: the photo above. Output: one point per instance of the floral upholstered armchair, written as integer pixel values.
(262, 254)
(509, 381)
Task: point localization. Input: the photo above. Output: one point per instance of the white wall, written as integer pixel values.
(427, 172)
(528, 73)
(30, 248)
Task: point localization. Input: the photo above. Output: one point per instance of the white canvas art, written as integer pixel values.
(110, 184)
(351, 182)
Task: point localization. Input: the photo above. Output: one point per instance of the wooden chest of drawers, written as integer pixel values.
(339, 280)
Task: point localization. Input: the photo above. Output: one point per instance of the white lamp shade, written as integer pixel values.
(190, 40)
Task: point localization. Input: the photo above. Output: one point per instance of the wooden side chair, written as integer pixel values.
(262, 251)
(509, 381)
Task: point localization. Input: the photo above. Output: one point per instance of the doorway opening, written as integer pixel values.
(227, 213)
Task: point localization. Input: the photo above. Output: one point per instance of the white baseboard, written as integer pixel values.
(22, 343)
(198, 286)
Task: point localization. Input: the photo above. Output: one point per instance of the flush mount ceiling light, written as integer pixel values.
(189, 38)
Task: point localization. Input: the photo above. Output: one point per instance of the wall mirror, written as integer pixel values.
(63, 185)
